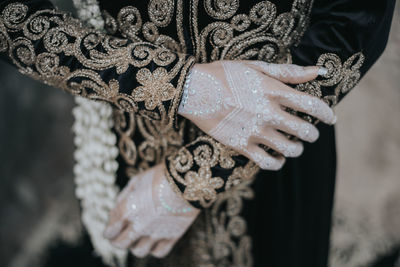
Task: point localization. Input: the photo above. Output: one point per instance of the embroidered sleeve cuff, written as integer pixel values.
(204, 168)
(338, 81)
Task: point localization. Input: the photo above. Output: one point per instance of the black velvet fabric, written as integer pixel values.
(290, 217)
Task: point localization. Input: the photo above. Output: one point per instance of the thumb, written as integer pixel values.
(288, 73)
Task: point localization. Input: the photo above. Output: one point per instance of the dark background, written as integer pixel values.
(37, 203)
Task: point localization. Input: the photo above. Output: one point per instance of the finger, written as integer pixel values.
(128, 189)
(117, 220)
(263, 159)
(299, 128)
(113, 230)
(279, 143)
(143, 247)
(126, 239)
(310, 105)
(287, 73)
(163, 247)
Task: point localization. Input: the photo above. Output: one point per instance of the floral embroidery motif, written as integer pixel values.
(200, 186)
(260, 34)
(42, 43)
(156, 87)
(206, 155)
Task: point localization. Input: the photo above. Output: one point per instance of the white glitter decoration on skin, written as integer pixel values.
(148, 210)
(247, 102)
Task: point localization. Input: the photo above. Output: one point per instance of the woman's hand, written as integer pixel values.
(242, 104)
(149, 217)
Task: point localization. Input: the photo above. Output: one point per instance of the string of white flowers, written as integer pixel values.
(95, 157)
(356, 240)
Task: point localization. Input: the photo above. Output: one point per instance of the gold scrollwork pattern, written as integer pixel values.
(143, 142)
(260, 34)
(193, 170)
(53, 47)
(222, 240)
(339, 80)
(229, 244)
(161, 11)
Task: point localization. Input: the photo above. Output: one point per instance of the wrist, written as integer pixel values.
(204, 98)
(168, 197)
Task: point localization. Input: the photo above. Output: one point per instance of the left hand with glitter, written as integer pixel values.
(149, 217)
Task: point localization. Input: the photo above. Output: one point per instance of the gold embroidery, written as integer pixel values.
(110, 24)
(339, 79)
(92, 52)
(201, 185)
(227, 243)
(260, 34)
(155, 87)
(161, 11)
(261, 27)
(129, 22)
(218, 9)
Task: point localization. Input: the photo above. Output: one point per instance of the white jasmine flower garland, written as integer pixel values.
(95, 156)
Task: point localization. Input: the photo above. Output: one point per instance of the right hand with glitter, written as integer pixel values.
(242, 104)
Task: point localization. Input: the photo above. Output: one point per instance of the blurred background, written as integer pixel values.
(38, 206)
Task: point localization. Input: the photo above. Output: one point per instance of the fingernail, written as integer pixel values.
(309, 134)
(322, 71)
(121, 244)
(108, 233)
(112, 230)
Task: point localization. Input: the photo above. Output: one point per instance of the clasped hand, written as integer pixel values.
(239, 103)
(149, 217)
(242, 104)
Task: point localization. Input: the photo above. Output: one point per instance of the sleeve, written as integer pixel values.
(134, 76)
(205, 168)
(53, 47)
(344, 36)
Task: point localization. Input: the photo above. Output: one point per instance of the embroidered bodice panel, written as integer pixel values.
(141, 64)
(208, 31)
(140, 68)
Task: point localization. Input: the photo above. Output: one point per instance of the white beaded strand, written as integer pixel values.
(95, 157)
